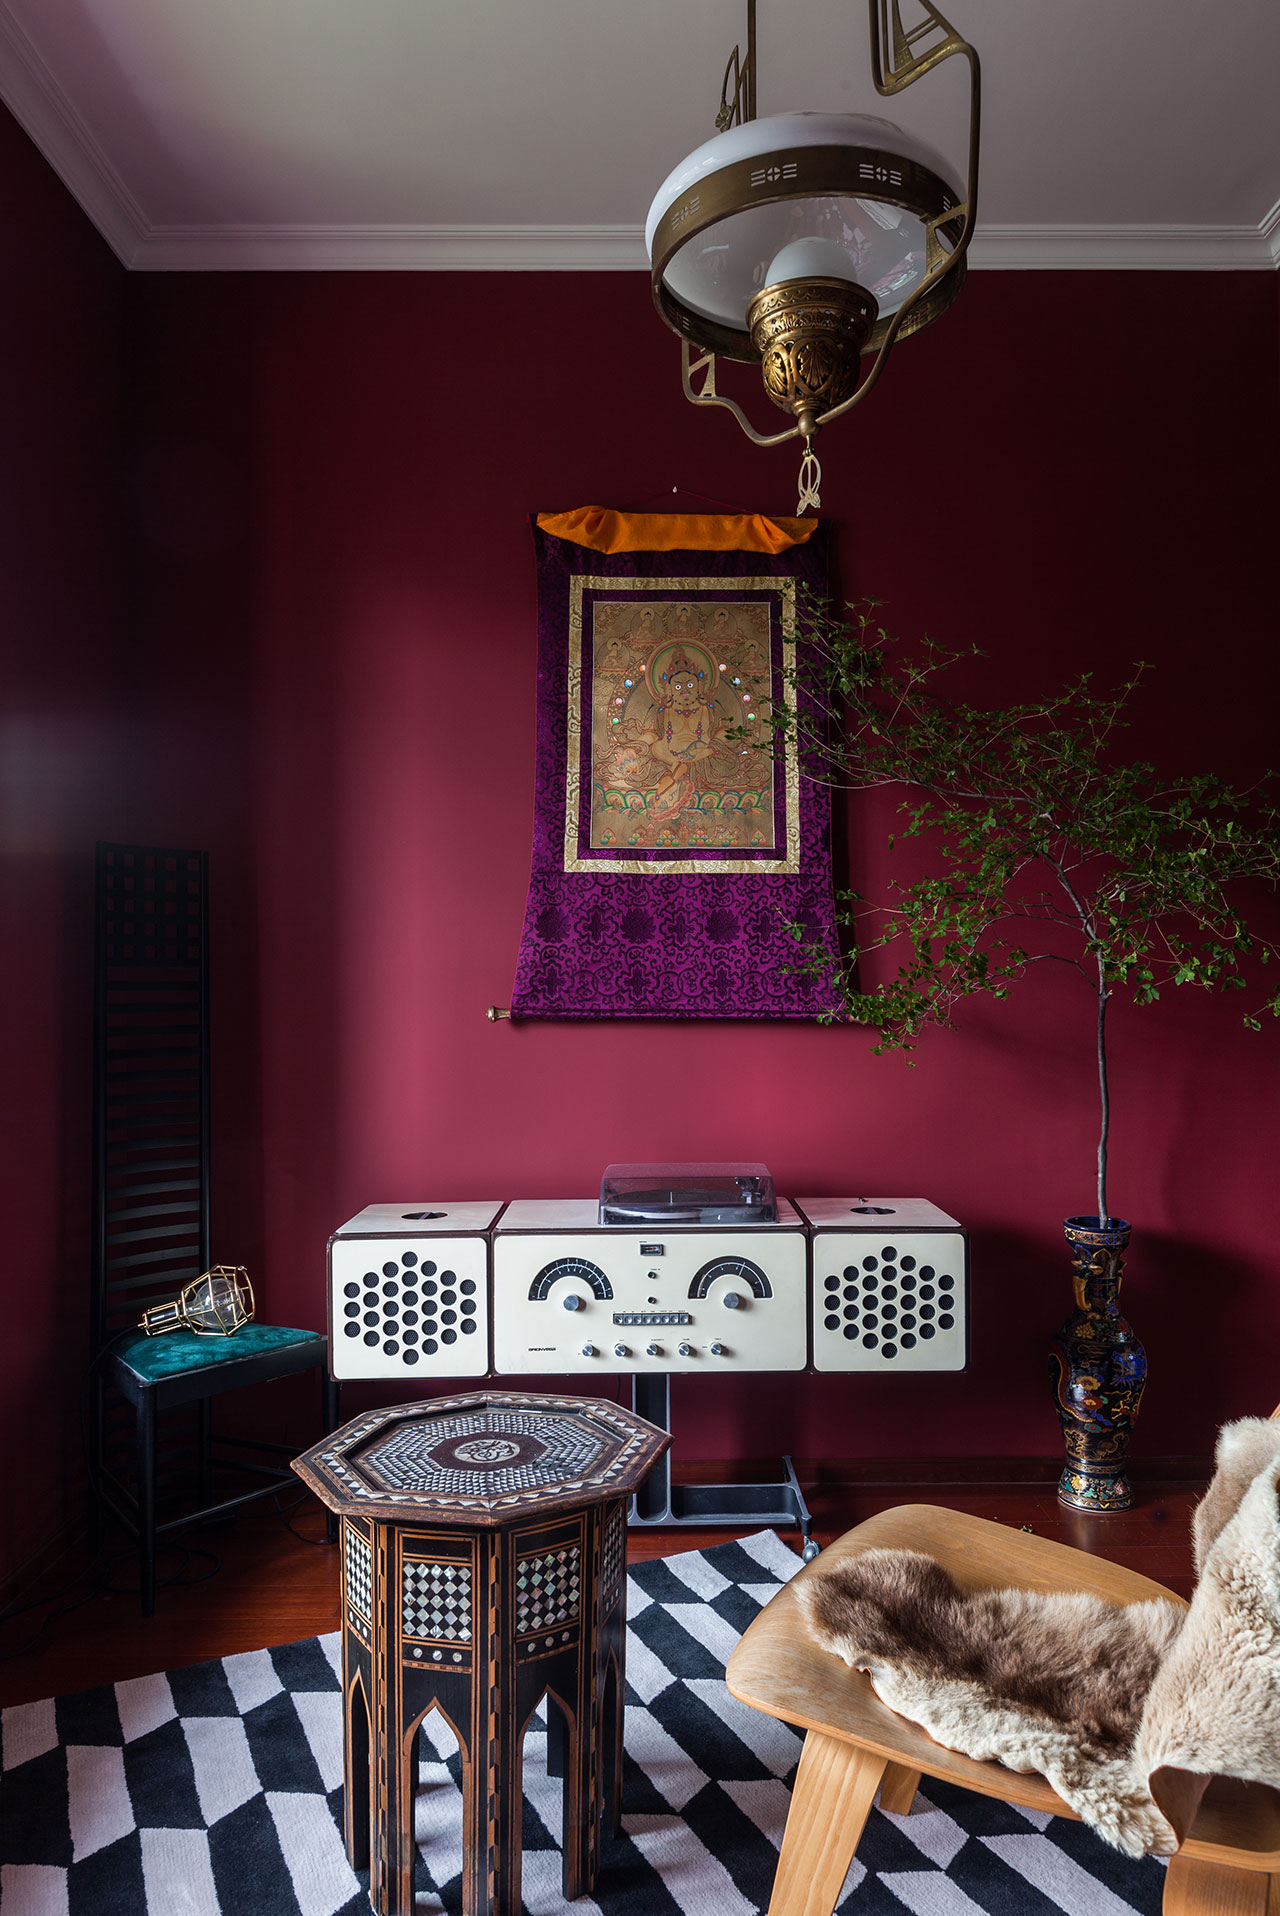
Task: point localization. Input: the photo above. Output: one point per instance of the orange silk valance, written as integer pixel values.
(606, 531)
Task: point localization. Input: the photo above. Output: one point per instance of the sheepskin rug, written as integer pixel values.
(1127, 1709)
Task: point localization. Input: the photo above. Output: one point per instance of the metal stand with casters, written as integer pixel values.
(659, 1502)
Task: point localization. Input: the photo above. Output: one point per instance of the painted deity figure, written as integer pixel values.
(681, 729)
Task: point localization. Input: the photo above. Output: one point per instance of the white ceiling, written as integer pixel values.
(231, 134)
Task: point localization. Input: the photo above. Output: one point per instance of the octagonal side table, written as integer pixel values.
(483, 1568)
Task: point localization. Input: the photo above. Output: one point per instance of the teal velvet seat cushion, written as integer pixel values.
(152, 1358)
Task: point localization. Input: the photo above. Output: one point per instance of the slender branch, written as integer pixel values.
(1104, 1093)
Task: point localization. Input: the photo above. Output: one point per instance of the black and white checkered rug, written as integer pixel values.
(216, 1791)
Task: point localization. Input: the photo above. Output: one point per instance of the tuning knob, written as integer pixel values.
(572, 1302)
(653, 1350)
(717, 1350)
(588, 1350)
(732, 1301)
(620, 1350)
(686, 1350)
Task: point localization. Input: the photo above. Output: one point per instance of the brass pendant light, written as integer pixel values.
(808, 242)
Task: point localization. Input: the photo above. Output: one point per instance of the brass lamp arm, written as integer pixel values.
(708, 396)
(902, 73)
(905, 69)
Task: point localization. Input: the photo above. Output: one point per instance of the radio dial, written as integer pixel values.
(573, 1302)
(653, 1350)
(588, 1350)
(620, 1350)
(717, 1350)
(732, 1301)
(686, 1350)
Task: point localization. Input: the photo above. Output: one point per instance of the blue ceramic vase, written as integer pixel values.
(1098, 1369)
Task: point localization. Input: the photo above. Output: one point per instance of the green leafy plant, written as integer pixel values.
(1043, 845)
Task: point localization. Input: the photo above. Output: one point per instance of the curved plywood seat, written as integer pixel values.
(856, 1746)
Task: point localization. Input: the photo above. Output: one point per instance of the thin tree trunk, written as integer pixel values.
(1105, 1098)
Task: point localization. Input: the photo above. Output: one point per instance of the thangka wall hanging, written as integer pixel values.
(670, 849)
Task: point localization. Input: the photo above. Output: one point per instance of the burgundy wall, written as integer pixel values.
(337, 592)
(61, 774)
(266, 586)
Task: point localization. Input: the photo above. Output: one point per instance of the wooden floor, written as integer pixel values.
(272, 1585)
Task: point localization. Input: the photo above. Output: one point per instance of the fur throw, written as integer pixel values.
(1127, 1709)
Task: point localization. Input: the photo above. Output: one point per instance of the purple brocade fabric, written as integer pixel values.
(670, 853)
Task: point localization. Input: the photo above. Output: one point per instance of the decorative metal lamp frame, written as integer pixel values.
(810, 334)
(216, 1304)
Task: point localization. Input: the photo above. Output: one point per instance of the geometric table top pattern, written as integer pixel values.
(482, 1457)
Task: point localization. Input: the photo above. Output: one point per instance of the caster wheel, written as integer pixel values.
(810, 1551)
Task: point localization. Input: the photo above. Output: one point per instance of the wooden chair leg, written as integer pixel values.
(1195, 1888)
(204, 1453)
(898, 1789)
(146, 1444)
(97, 1448)
(834, 1788)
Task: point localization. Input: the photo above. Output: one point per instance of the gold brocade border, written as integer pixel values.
(789, 863)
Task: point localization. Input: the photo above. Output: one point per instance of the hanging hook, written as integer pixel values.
(810, 480)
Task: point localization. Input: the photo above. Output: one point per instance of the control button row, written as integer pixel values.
(655, 1350)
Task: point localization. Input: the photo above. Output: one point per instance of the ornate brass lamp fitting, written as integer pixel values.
(810, 334)
(748, 233)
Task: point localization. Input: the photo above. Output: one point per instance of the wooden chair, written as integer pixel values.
(150, 1207)
(1229, 1862)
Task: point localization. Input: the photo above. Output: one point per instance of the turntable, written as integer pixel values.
(687, 1194)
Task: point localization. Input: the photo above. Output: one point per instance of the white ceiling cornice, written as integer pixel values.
(42, 107)
(1270, 231)
(377, 249)
(604, 249)
(44, 112)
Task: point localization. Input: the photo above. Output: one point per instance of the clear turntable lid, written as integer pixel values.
(688, 1194)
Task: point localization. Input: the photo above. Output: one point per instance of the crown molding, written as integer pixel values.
(1142, 249)
(581, 249)
(381, 249)
(48, 118)
(1270, 231)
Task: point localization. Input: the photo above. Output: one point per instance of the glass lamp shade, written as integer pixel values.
(729, 220)
(215, 1305)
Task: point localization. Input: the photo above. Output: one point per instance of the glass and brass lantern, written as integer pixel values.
(810, 242)
(215, 1305)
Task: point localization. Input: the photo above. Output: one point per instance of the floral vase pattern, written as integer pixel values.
(1098, 1369)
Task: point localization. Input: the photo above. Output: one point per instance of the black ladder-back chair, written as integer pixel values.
(151, 1197)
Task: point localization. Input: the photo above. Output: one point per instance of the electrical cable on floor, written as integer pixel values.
(283, 1512)
(99, 1569)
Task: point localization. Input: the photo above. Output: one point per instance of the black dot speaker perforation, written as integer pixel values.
(889, 1287)
(409, 1291)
